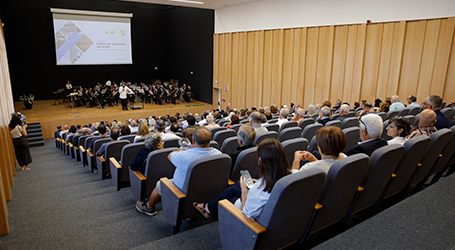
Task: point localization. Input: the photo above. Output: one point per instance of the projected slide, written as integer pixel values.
(91, 42)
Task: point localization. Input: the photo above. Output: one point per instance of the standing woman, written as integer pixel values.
(20, 142)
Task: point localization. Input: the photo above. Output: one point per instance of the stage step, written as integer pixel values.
(34, 135)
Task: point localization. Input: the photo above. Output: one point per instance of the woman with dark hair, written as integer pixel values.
(152, 142)
(398, 128)
(331, 142)
(377, 103)
(384, 107)
(273, 165)
(21, 148)
(234, 120)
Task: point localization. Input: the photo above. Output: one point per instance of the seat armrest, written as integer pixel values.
(115, 163)
(101, 159)
(70, 144)
(82, 149)
(139, 175)
(237, 213)
(90, 154)
(175, 190)
(230, 182)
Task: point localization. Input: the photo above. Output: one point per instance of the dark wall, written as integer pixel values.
(177, 40)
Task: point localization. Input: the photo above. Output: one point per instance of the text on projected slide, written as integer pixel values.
(88, 42)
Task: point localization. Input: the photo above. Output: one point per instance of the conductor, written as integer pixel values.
(124, 91)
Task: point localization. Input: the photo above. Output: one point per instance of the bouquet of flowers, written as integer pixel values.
(27, 98)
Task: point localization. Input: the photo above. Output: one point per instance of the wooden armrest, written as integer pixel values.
(318, 206)
(82, 149)
(394, 175)
(90, 154)
(237, 213)
(419, 165)
(70, 144)
(139, 175)
(76, 148)
(230, 182)
(177, 192)
(360, 189)
(101, 158)
(440, 155)
(115, 162)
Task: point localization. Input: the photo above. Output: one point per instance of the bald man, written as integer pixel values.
(427, 120)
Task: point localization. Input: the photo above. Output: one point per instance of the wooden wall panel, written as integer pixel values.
(216, 63)
(348, 62)
(449, 88)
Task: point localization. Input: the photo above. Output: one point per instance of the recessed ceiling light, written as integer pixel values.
(187, 1)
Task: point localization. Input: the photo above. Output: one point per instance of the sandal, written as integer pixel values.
(27, 168)
(22, 168)
(202, 210)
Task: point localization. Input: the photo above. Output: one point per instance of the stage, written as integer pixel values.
(50, 115)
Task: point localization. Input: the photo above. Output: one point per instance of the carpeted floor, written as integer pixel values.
(61, 205)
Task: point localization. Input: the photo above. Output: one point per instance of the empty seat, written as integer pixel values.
(220, 136)
(351, 114)
(334, 116)
(214, 130)
(310, 131)
(305, 122)
(447, 112)
(230, 145)
(261, 137)
(292, 145)
(352, 137)
(279, 224)
(350, 122)
(290, 133)
(335, 123)
(120, 169)
(272, 127)
(139, 139)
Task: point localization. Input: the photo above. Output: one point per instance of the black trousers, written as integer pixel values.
(124, 103)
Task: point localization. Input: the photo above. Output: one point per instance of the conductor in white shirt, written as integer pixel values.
(124, 91)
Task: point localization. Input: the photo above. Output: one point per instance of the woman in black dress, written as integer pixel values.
(21, 148)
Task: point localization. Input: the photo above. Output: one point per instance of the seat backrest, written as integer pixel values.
(313, 145)
(172, 143)
(286, 224)
(236, 127)
(158, 166)
(305, 122)
(439, 140)
(139, 139)
(350, 122)
(414, 110)
(415, 148)
(351, 114)
(214, 130)
(383, 163)
(383, 115)
(352, 137)
(292, 145)
(88, 141)
(243, 122)
(343, 179)
(384, 131)
(411, 118)
(224, 122)
(129, 138)
(247, 159)
(230, 145)
(272, 127)
(391, 114)
(129, 151)
(114, 149)
(447, 112)
(220, 136)
(289, 124)
(272, 121)
(335, 123)
(447, 153)
(179, 134)
(206, 178)
(75, 140)
(69, 138)
(100, 142)
(403, 112)
(416, 122)
(214, 144)
(335, 116)
(261, 137)
(290, 133)
(82, 140)
(310, 131)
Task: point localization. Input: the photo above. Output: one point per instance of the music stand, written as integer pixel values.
(73, 102)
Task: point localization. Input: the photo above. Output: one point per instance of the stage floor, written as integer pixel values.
(50, 115)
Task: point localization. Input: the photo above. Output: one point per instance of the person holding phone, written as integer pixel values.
(21, 147)
(272, 166)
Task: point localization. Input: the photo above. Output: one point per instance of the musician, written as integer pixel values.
(188, 94)
(68, 86)
(124, 91)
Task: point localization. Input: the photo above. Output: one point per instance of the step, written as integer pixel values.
(34, 139)
(36, 143)
(29, 130)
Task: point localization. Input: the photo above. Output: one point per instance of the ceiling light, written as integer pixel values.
(187, 1)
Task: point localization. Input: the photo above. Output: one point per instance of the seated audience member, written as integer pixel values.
(434, 102)
(324, 115)
(152, 142)
(367, 109)
(263, 120)
(210, 122)
(234, 120)
(65, 130)
(356, 105)
(71, 131)
(188, 133)
(245, 139)
(331, 142)
(344, 110)
(255, 122)
(203, 119)
(191, 121)
(396, 104)
(159, 129)
(327, 104)
(174, 128)
(134, 128)
(181, 160)
(388, 100)
(426, 120)
(125, 130)
(284, 112)
(311, 109)
(57, 133)
(291, 109)
(273, 165)
(398, 128)
(268, 116)
(371, 127)
(384, 107)
(377, 103)
(85, 131)
(102, 131)
(299, 115)
(142, 131)
(273, 109)
(337, 105)
(115, 133)
(412, 102)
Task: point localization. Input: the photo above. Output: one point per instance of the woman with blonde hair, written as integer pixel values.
(142, 131)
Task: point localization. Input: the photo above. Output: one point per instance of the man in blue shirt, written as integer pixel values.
(434, 102)
(181, 160)
(396, 104)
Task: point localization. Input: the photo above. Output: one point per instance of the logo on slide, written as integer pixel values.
(110, 32)
(71, 43)
(122, 32)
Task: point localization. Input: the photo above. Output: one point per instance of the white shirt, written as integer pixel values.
(281, 121)
(397, 106)
(124, 91)
(255, 200)
(397, 140)
(167, 136)
(16, 132)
